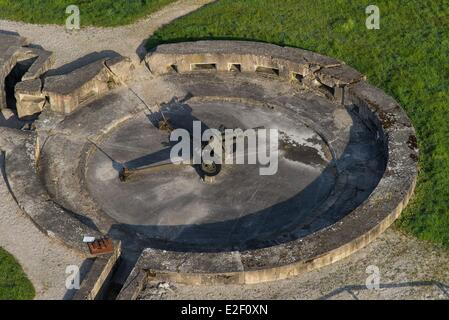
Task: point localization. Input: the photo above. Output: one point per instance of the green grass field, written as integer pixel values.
(104, 13)
(14, 285)
(408, 58)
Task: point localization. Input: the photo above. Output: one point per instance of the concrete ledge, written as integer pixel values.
(97, 277)
(14, 51)
(324, 74)
(31, 196)
(44, 61)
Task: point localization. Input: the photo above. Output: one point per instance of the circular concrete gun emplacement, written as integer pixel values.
(347, 161)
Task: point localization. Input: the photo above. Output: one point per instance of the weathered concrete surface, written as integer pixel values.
(274, 259)
(320, 182)
(43, 259)
(377, 111)
(29, 97)
(31, 195)
(134, 285)
(23, 63)
(303, 85)
(67, 92)
(410, 269)
(313, 70)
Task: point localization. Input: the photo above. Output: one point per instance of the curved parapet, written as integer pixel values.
(359, 154)
(31, 196)
(311, 69)
(343, 85)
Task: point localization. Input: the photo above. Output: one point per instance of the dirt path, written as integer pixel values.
(126, 40)
(43, 259)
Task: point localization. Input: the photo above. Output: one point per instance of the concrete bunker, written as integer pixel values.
(21, 75)
(347, 167)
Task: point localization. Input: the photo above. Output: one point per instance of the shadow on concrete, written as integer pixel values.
(444, 288)
(11, 120)
(9, 33)
(297, 217)
(2, 165)
(181, 116)
(83, 61)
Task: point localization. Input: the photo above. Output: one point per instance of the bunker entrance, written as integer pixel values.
(14, 77)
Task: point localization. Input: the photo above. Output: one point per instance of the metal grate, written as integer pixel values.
(101, 246)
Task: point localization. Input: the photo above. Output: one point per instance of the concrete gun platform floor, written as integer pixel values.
(316, 183)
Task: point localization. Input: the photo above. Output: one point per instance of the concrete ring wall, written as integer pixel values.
(341, 84)
(325, 76)
(323, 73)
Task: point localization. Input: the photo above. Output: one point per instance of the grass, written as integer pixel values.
(408, 58)
(103, 13)
(14, 285)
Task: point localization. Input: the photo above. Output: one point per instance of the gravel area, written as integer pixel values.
(43, 260)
